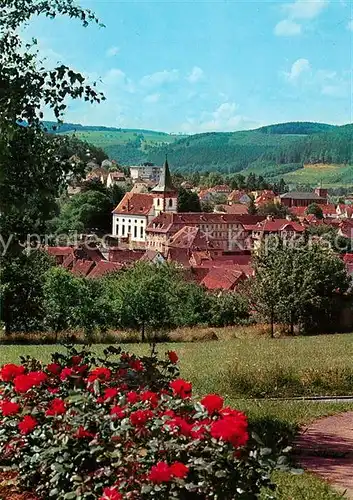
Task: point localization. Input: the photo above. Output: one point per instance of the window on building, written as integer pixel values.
(158, 202)
(128, 229)
(141, 232)
(135, 231)
(170, 202)
(123, 229)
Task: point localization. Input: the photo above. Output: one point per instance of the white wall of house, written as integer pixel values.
(151, 173)
(130, 226)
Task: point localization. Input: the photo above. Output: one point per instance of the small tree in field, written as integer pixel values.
(297, 284)
(144, 297)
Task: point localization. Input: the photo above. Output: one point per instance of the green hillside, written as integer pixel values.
(273, 151)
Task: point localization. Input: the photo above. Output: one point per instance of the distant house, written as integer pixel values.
(115, 178)
(284, 228)
(145, 172)
(264, 197)
(301, 199)
(344, 211)
(238, 196)
(236, 208)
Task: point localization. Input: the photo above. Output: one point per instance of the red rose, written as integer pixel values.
(66, 373)
(150, 396)
(82, 433)
(140, 417)
(100, 373)
(10, 371)
(54, 368)
(178, 469)
(8, 408)
(110, 393)
(181, 425)
(24, 383)
(231, 429)
(111, 494)
(132, 397)
(118, 411)
(136, 364)
(27, 424)
(181, 388)
(76, 360)
(160, 473)
(213, 403)
(57, 407)
(53, 390)
(173, 357)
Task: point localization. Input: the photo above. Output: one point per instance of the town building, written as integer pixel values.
(238, 196)
(136, 210)
(299, 199)
(285, 228)
(113, 178)
(145, 172)
(225, 230)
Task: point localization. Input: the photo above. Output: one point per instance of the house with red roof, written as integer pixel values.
(264, 197)
(118, 178)
(284, 228)
(238, 196)
(223, 278)
(225, 230)
(235, 208)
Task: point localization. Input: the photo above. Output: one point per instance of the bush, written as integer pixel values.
(124, 427)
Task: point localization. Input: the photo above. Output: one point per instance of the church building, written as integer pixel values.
(136, 210)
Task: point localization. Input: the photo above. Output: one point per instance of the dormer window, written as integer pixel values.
(158, 202)
(170, 202)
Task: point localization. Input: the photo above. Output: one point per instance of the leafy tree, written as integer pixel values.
(297, 284)
(315, 209)
(21, 291)
(188, 201)
(85, 212)
(32, 167)
(329, 237)
(73, 302)
(274, 209)
(144, 297)
(252, 207)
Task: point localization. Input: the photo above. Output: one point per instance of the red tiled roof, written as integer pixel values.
(276, 225)
(298, 211)
(68, 261)
(117, 175)
(124, 256)
(192, 237)
(222, 278)
(93, 253)
(135, 204)
(236, 195)
(56, 251)
(179, 255)
(104, 267)
(265, 197)
(82, 267)
(329, 209)
(236, 208)
(164, 221)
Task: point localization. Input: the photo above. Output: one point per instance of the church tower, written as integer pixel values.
(165, 194)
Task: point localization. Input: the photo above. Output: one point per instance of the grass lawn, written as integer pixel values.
(216, 366)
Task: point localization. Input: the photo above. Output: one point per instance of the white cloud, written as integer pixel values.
(196, 75)
(224, 118)
(299, 67)
(112, 51)
(350, 25)
(305, 9)
(152, 98)
(300, 10)
(160, 78)
(117, 78)
(287, 28)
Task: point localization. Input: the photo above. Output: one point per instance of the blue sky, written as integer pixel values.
(199, 66)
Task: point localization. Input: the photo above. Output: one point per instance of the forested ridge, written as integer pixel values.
(284, 147)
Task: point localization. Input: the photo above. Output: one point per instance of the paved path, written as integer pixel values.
(326, 448)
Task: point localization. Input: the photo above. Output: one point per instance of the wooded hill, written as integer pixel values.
(273, 150)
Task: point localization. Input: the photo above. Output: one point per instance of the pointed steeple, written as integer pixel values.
(165, 184)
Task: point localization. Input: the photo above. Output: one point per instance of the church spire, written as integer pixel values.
(165, 184)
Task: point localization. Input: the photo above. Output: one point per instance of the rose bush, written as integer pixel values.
(123, 427)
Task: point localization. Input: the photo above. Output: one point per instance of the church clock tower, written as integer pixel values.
(165, 194)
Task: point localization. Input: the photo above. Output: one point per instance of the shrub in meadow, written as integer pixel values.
(124, 427)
